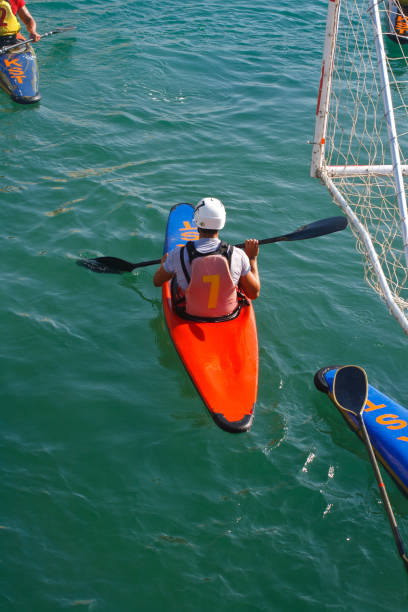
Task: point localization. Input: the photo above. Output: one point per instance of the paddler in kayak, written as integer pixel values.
(10, 25)
(209, 271)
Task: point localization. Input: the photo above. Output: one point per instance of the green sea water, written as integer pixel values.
(118, 492)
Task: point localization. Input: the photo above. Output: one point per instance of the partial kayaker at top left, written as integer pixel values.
(9, 24)
(18, 62)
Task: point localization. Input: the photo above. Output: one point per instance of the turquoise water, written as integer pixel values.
(118, 491)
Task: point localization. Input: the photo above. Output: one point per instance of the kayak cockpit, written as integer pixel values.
(179, 305)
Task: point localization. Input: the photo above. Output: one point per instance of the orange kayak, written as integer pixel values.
(220, 357)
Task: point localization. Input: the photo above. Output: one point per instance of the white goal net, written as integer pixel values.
(360, 145)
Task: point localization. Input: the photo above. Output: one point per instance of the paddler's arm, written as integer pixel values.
(251, 283)
(161, 276)
(29, 22)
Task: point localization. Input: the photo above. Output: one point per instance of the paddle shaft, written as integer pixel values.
(24, 42)
(383, 491)
(312, 230)
(155, 262)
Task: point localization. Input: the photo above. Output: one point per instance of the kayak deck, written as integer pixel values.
(222, 361)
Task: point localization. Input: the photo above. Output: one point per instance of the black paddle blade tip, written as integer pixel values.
(96, 265)
(350, 388)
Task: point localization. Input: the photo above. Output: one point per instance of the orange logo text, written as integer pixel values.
(15, 69)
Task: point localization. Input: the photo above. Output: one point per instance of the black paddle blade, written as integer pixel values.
(65, 29)
(58, 31)
(318, 228)
(311, 230)
(350, 388)
(106, 265)
(114, 265)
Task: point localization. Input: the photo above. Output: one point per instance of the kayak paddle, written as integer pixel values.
(350, 390)
(23, 42)
(115, 265)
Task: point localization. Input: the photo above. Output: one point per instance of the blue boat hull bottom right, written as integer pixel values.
(386, 422)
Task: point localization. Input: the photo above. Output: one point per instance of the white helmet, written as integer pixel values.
(210, 214)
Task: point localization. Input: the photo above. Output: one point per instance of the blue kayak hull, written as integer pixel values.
(386, 422)
(397, 23)
(19, 75)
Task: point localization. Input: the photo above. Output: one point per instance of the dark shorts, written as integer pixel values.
(8, 40)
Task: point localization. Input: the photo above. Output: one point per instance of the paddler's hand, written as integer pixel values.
(250, 283)
(161, 275)
(252, 248)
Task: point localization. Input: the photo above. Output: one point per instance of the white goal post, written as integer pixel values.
(360, 145)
